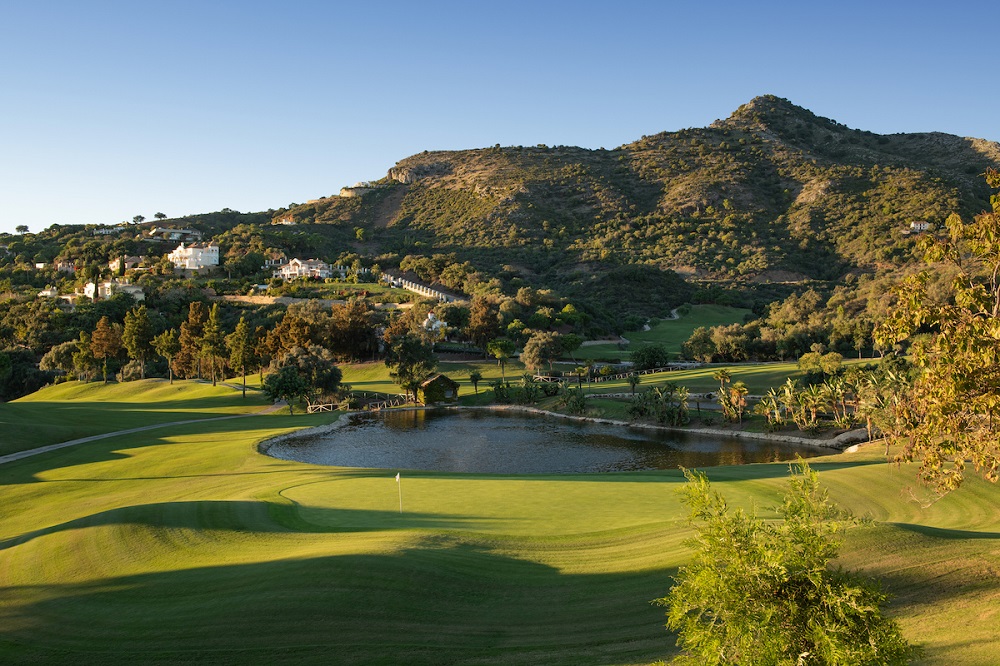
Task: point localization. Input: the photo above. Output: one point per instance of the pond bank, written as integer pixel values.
(839, 443)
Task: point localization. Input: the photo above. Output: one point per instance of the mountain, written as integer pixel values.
(771, 193)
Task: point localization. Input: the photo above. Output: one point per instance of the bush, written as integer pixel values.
(762, 592)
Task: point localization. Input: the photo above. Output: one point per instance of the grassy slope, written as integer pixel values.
(72, 410)
(190, 546)
(672, 333)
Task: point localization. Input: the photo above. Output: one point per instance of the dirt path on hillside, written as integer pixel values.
(11, 457)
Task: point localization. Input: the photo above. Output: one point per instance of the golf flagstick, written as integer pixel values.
(400, 488)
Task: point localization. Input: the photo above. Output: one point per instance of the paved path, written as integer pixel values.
(83, 440)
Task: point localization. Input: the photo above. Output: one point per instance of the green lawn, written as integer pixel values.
(671, 333)
(189, 546)
(72, 410)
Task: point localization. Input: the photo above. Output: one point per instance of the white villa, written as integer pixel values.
(103, 290)
(297, 268)
(195, 256)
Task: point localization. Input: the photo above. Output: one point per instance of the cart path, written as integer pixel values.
(11, 457)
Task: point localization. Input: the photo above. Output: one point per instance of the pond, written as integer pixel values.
(484, 442)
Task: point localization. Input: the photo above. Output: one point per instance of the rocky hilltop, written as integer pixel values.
(773, 192)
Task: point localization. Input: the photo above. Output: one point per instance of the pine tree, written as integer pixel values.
(137, 337)
(213, 342)
(105, 343)
(187, 362)
(241, 350)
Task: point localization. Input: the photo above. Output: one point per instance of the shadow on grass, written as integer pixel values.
(440, 602)
(251, 516)
(940, 533)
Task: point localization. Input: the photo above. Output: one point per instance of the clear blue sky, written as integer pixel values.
(113, 109)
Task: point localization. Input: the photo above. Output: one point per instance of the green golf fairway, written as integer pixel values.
(187, 545)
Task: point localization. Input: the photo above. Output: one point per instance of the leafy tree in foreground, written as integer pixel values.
(761, 592)
(954, 402)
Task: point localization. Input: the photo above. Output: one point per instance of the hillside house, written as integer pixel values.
(103, 290)
(298, 268)
(171, 234)
(128, 262)
(438, 389)
(273, 260)
(195, 256)
(66, 267)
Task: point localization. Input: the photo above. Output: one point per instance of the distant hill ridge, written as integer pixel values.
(772, 190)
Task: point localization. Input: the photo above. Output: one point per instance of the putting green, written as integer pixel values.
(188, 545)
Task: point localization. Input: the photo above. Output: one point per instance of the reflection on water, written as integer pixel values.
(498, 443)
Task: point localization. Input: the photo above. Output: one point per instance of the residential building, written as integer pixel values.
(195, 256)
(103, 290)
(297, 268)
(129, 262)
(171, 234)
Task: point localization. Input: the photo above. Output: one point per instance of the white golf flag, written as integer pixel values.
(397, 477)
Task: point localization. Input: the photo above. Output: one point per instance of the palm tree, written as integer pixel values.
(633, 381)
(738, 399)
(770, 406)
(475, 377)
(813, 399)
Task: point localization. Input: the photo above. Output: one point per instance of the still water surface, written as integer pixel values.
(483, 442)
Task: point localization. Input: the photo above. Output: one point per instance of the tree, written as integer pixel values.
(160, 216)
(700, 346)
(410, 360)
(542, 348)
(21, 229)
(187, 362)
(59, 359)
(484, 320)
(241, 350)
(649, 357)
(633, 381)
(84, 363)
(138, 219)
(570, 342)
(137, 337)
(285, 384)
(475, 377)
(500, 349)
(213, 342)
(105, 343)
(316, 366)
(6, 366)
(167, 345)
(762, 592)
(955, 396)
